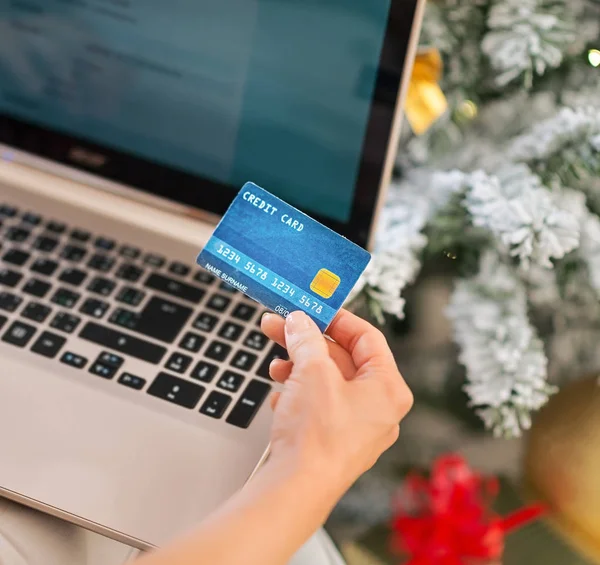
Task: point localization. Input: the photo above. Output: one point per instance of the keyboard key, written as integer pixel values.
(16, 257)
(93, 307)
(204, 371)
(16, 234)
(231, 331)
(178, 268)
(160, 319)
(107, 364)
(248, 404)
(32, 219)
(125, 318)
(129, 272)
(65, 297)
(65, 322)
(110, 359)
(204, 277)
(205, 322)
(73, 253)
(44, 267)
(101, 262)
(48, 344)
(178, 362)
(102, 370)
(101, 286)
(243, 312)
(175, 288)
(74, 360)
(218, 302)
(72, 276)
(230, 381)
(154, 260)
(8, 211)
(243, 360)
(276, 352)
(123, 343)
(9, 302)
(129, 252)
(36, 312)
(256, 340)
(19, 334)
(10, 278)
(45, 244)
(176, 390)
(56, 227)
(192, 342)
(218, 351)
(216, 404)
(226, 287)
(36, 287)
(104, 243)
(3, 320)
(80, 235)
(131, 296)
(132, 381)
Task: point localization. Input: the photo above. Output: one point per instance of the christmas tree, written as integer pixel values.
(505, 185)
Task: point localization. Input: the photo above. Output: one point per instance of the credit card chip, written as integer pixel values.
(325, 283)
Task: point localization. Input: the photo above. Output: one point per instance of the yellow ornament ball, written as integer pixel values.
(562, 463)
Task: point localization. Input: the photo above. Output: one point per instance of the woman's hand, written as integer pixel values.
(338, 411)
(342, 400)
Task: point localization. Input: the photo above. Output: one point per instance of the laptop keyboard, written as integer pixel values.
(199, 336)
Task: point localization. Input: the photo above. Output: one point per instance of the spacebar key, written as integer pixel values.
(123, 343)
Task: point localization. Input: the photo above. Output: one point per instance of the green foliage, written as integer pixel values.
(452, 236)
(576, 165)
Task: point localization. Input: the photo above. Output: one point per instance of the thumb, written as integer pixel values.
(303, 339)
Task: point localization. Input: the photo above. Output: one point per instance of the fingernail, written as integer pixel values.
(297, 322)
(265, 316)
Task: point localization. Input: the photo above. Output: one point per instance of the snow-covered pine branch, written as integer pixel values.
(504, 359)
(521, 214)
(564, 148)
(527, 37)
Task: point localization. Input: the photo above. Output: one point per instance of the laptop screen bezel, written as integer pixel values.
(214, 197)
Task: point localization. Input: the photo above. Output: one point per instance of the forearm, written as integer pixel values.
(264, 524)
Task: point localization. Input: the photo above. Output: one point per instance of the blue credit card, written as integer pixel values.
(283, 258)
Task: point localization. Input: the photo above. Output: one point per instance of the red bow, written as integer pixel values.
(447, 520)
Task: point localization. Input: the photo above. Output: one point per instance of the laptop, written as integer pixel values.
(133, 385)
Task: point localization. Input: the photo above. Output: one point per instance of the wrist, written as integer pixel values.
(316, 480)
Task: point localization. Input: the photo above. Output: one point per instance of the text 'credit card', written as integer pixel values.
(283, 258)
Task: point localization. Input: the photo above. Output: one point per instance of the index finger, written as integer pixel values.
(364, 342)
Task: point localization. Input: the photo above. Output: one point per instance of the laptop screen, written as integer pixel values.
(203, 95)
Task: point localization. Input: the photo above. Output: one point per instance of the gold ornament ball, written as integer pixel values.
(562, 463)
